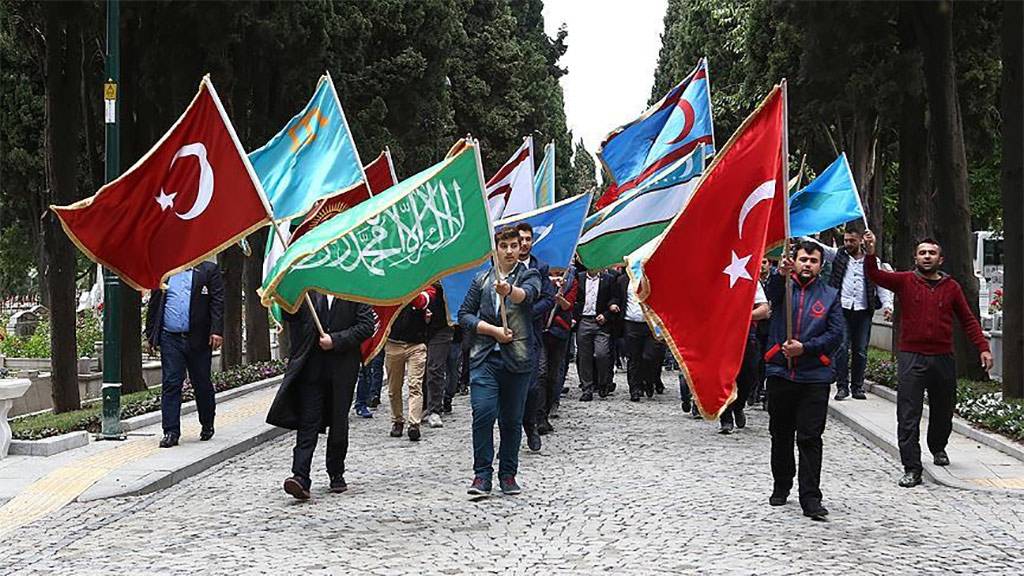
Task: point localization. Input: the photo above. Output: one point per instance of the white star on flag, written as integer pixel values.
(737, 269)
(165, 200)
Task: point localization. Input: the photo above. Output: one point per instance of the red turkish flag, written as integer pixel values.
(700, 277)
(193, 194)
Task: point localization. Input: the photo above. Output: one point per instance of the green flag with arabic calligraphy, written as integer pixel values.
(387, 248)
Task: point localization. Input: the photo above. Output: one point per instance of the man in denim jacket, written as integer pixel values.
(500, 365)
(800, 374)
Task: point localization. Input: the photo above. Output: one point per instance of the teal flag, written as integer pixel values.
(828, 201)
(544, 181)
(312, 157)
(387, 248)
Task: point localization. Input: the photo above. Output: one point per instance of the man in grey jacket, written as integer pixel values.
(499, 361)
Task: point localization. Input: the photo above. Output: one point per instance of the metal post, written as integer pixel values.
(111, 421)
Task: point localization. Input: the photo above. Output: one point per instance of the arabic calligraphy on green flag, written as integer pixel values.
(389, 247)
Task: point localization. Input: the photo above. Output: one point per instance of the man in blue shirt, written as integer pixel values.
(185, 323)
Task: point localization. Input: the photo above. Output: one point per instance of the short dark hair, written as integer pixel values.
(809, 248)
(506, 233)
(928, 240)
(853, 230)
(524, 227)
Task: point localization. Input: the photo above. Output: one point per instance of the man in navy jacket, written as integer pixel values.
(800, 374)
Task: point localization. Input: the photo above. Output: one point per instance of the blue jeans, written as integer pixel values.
(855, 343)
(175, 358)
(496, 393)
(371, 378)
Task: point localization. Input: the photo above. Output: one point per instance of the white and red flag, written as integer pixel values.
(510, 190)
(193, 194)
(700, 278)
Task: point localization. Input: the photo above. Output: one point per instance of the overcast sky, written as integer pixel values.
(613, 51)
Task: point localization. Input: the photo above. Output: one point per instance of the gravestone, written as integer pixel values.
(23, 323)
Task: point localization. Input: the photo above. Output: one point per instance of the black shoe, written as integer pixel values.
(533, 441)
(479, 487)
(206, 433)
(815, 511)
(447, 409)
(649, 391)
(660, 389)
(941, 458)
(635, 397)
(338, 484)
(396, 429)
(586, 397)
(687, 404)
(695, 412)
(777, 499)
(414, 433)
(565, 391)
(910, 479)
(603, 393)
(726, 428)
(169, 439)
(741, 419)
(297, 487)
(858, 394)
(842, 393)
(545, 428)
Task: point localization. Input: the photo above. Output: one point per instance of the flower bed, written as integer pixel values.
(88, 418)
(980, 403)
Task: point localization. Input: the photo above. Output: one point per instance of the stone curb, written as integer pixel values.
(883, 440)
(160, 479)
(80, 438)
(960, 426)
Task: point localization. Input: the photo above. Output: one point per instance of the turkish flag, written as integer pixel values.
(700, 277)
(193, 194)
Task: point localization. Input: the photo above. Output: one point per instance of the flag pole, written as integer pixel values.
(561, 291)
(501, 301)
(785, 211)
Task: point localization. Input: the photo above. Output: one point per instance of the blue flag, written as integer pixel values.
(312, 157)
(669, 130)
(828, 201)
(556, 229)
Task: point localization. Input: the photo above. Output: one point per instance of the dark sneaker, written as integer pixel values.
(338, 484)
(777, 499)
(586, 397)
(364, 412)
(815, 511)
(169, 440)
(533, 440)
(941, 458)
(508, 486)
(206, 433)
(687, 404)
(842, 393)
(726, 428)
(396, 430)
(635, 397)
(603, 393)
(741, 419)
(297, 487)
(414, 433)
(659, 388)
(545, 428)
(858, 394)
(479, 487)
(910, 479)
(695, 412)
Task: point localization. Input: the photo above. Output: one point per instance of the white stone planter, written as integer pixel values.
(10, 390)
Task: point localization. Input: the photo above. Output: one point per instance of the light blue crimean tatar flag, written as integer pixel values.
(544, 180)
(556, 230)
(828, 201)
(312, 157)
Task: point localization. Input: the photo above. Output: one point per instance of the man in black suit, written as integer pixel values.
(186, 323)
(597, 306)
(319, 384)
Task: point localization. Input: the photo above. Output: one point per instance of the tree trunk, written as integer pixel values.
(915, 202)
(131, 340)
(934, 25)
(257, 323)
(1013, 201)
(875, 206)
(231, 264)
(63, 125)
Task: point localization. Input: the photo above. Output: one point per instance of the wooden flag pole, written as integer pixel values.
(501, 299)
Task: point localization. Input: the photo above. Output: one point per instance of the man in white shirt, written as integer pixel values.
(860, 297)
(642, 350)
(597, 305)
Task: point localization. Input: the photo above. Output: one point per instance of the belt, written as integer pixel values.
(589, 317)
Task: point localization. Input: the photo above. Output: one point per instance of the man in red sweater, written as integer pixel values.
(929, 299)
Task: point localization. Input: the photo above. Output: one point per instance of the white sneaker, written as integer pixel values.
(434, 421)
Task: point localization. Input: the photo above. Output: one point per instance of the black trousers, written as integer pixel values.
(638, 337)
(917, 373)
(435, 376)
(797, 409)
(745, 380)
(550, 377)
(314, 393)
(533, 413)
